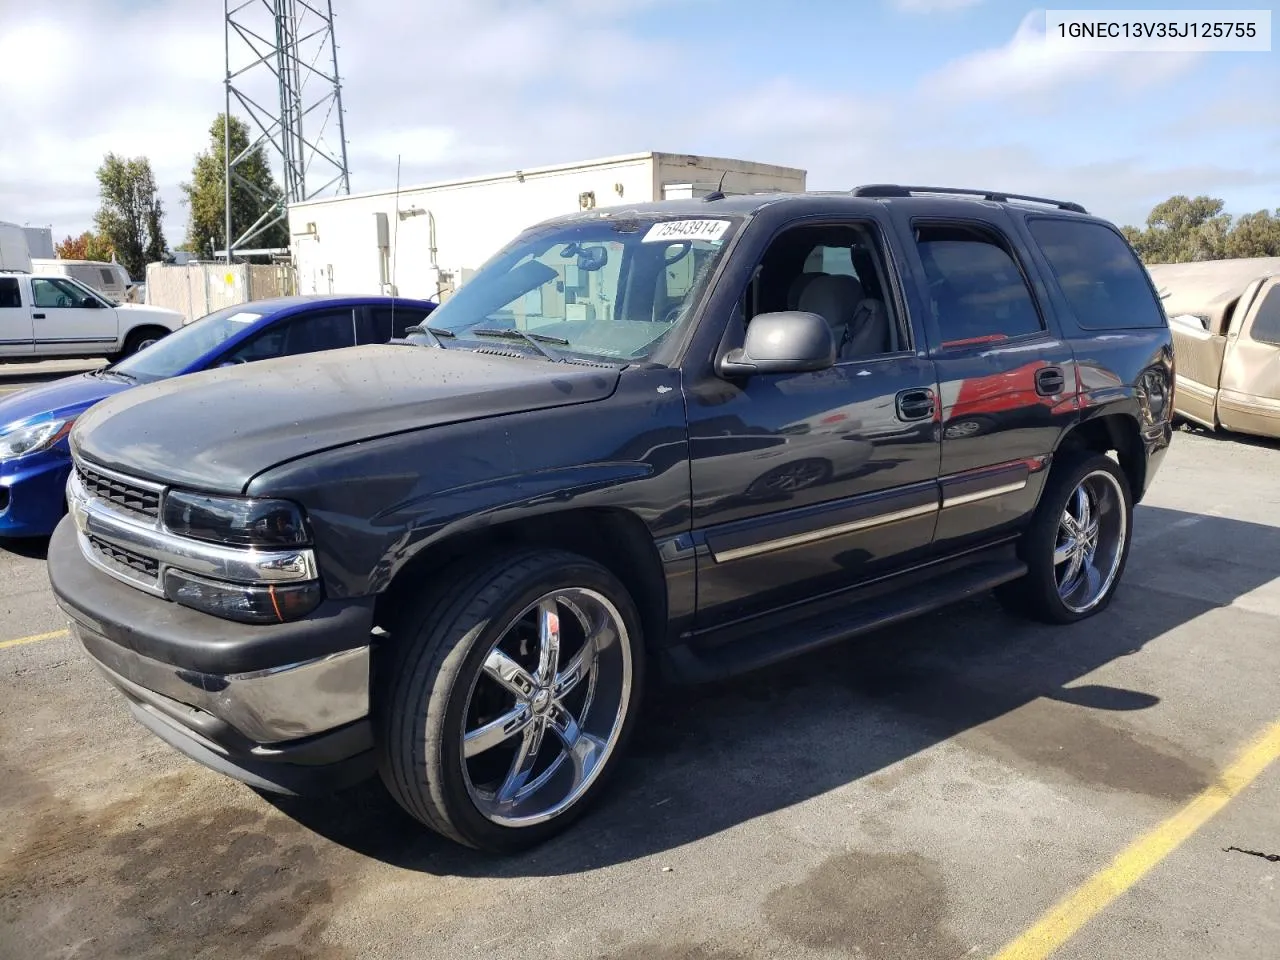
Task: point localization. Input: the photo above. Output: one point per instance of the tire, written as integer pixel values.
(441, 681)
(139, 340)
(1047, 592)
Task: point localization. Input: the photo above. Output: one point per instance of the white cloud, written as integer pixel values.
(1027, 68)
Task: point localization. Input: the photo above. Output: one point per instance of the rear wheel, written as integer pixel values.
(510, 695)
(1077, 544)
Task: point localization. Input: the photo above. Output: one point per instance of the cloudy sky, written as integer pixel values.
(854, 91)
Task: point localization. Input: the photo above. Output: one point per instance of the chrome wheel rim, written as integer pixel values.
(1092, 533)
(144, 344)
(545, 711)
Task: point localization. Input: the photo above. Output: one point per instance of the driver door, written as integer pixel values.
(1249, 398)
(67, 317)
(811, 482)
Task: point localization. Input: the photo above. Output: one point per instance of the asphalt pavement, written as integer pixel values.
(929, 792)
(19, 376)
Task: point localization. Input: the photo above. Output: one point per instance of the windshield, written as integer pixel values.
(601, 288)
(172, 354)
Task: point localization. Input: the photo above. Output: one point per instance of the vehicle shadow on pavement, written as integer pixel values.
(707, 759)
(33, 548)
(1223, 436)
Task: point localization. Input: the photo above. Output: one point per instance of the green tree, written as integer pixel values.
(130, 216)
(205, 194)
(1255, 235)
(1183, 229)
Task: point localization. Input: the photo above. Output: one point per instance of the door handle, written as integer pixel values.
(914, 404)
(37, 316)
(1050, 381)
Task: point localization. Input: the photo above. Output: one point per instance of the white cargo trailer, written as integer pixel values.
(40, 242)
(14, 254)
(427, 240)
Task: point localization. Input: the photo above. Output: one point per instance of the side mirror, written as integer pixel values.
(91, 303)
(790, 341)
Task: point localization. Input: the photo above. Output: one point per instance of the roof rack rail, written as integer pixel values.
(999, 196)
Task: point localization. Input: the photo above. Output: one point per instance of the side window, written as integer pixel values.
(837, 271)
(10, 293)
(385, 324)
(977, 291)
(311, 333)
(108, 277)
(1102, 280)
(1266, 322)
(56, 293)
(833, 260)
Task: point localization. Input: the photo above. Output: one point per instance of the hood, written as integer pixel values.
(217, 429)
(158, 313)
(67, 397)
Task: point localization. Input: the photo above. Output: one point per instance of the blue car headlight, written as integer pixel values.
(21, 441)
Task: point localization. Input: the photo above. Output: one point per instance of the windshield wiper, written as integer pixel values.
(535, 340)
(107, 371)
(436, 333)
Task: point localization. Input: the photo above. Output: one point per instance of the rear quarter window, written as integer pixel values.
(10, 295)
(1103, 281)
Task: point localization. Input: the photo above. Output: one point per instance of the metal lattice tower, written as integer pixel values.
(283, 53)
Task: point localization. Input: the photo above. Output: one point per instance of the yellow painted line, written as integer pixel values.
(52, 635)
(1076, 909)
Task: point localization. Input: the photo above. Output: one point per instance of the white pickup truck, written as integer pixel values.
(46, 317)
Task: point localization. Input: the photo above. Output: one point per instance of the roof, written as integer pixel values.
(747, 204)
(541, 171)
(273, 304)
(1207, 287)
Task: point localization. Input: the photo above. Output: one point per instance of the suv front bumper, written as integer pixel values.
(297, 725)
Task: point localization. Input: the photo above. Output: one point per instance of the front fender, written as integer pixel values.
(376, 506)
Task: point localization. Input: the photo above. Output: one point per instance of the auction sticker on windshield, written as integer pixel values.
(686, 230)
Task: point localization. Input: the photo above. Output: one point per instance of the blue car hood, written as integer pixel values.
(68, 397)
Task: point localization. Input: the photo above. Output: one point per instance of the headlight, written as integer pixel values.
(275, 603)
(240, 521)
(33, 438)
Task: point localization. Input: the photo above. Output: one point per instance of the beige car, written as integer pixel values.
(1225, 318)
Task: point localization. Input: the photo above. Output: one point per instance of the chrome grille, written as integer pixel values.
(120, 493)
(146, 566)
(120, 531)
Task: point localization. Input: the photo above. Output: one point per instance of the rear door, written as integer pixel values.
(68, 318)
(15, 319)
(1007, 375)
(1249, 400)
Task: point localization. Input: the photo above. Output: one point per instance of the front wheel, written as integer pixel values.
(139, 340)
(1077, 544)
(510, 695)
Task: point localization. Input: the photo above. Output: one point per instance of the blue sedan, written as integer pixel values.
(34, 423)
